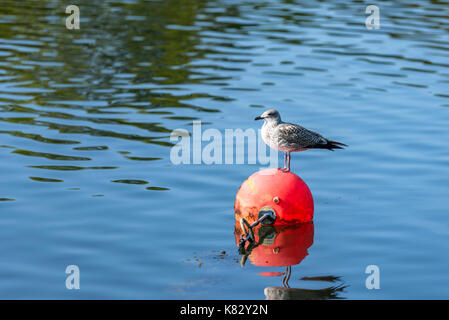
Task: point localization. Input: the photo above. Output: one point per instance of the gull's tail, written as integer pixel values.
(330, 145)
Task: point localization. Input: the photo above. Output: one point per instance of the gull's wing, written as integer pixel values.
(295, 136)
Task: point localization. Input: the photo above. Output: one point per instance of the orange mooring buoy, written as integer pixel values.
(282, 194)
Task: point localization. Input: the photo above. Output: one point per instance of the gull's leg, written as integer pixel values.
(286, 162)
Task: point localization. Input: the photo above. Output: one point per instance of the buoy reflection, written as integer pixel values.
(277, 246)
(285, 246)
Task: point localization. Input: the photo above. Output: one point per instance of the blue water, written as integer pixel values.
(85, 120)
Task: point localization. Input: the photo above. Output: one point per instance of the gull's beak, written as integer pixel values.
(258, 118)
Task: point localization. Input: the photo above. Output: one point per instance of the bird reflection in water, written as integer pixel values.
(286, 246)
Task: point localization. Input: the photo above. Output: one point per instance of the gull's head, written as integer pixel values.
(269, 116)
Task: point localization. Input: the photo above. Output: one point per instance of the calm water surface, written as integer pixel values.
(85, 120)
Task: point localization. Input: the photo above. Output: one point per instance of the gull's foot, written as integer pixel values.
(285, 169)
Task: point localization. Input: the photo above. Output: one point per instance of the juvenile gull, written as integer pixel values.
(289, 137)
